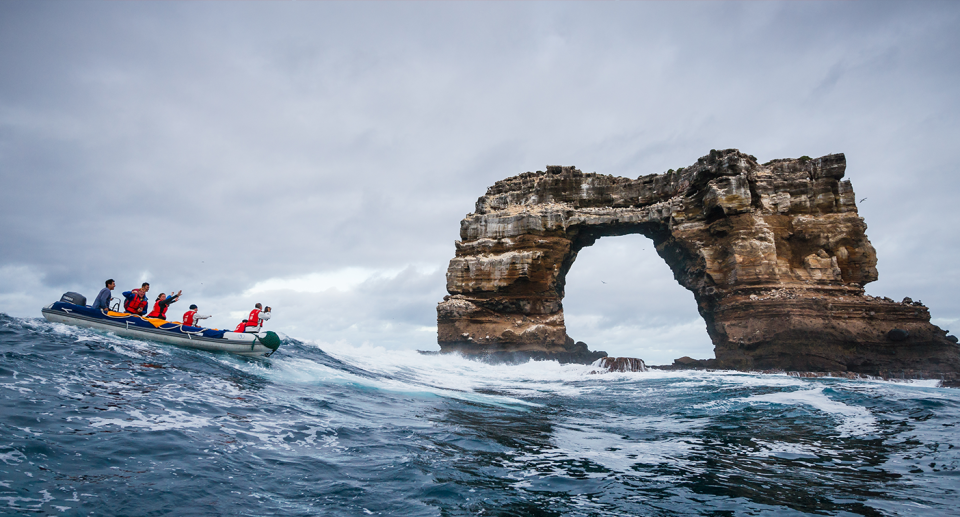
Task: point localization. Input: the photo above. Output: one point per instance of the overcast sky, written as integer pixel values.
(319, 156)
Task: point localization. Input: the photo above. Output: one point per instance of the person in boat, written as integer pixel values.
(162, 304)
(255, 319)
(103, 299)
(136, 300)
(191, 318)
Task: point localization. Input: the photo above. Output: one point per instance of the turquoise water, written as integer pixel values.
(97, 424)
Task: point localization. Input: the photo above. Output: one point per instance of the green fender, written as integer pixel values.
(271, 340)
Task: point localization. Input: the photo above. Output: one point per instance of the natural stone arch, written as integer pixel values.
(776, 256)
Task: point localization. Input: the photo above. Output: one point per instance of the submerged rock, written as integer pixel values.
(776, 256)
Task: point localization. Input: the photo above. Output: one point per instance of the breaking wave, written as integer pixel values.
(95, 423)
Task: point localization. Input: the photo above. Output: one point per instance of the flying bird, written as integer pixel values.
(862, 200)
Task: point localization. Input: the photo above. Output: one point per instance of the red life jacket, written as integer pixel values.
(188, 317)
(134, 305)
(159, 310)
(253, 320)
(241, 327)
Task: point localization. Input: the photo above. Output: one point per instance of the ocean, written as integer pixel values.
(95, 424)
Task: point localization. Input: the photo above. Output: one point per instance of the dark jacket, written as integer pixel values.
(103, 299)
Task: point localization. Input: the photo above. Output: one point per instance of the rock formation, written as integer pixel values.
(775, 255)
(621, 364)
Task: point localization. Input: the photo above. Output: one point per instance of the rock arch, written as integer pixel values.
(776, 256)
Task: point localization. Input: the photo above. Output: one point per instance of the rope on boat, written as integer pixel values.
(191, 333)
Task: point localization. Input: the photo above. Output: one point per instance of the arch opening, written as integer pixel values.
(622, 297)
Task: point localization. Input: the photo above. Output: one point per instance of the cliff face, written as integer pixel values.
(775, 254)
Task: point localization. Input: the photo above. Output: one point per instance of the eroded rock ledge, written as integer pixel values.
(775, 255)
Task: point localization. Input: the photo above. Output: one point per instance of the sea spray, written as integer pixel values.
(94, 423)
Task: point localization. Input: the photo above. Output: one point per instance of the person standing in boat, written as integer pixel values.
(162, 304)
(255, 319)
(264, 316)
(136, 300)
(191, 318)
(103, 299)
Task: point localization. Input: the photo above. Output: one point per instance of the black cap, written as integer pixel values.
(193, 306)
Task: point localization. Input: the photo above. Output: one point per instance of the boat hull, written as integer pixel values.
(132, 327)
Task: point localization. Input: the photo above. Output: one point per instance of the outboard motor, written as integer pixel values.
(74, 298)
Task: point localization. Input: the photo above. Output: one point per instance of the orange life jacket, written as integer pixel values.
(188, 317)
(159, 310)
(136, 304)
(253, 320)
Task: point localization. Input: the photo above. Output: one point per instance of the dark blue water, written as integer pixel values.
(97, 424)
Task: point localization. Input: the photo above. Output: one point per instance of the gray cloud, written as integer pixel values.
(211, 146)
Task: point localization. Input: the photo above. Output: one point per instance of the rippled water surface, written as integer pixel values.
(97, 424)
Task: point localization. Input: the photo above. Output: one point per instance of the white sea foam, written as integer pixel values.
(396, 379)
(454, 375)
(13, 457)
(169, 419)
(789, 450)
(583, 440)
(17, 387)
(854, 420)
(453, 372)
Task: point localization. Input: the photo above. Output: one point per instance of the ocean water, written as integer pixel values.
(95, 424)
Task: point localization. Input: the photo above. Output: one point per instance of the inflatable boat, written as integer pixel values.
(71, 309)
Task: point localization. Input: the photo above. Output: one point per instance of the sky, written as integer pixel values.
(318, 157)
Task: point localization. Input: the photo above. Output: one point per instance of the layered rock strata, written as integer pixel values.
(776, 256)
